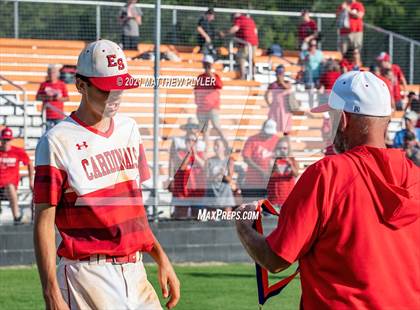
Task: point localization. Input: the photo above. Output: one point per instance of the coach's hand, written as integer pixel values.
(169, 283)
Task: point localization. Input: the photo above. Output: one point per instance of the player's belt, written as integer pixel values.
(99, 258)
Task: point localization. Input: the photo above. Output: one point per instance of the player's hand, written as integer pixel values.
(169, 284)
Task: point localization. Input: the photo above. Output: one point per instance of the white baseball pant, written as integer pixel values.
(97, 284)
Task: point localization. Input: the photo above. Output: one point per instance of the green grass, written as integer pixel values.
(227, 287)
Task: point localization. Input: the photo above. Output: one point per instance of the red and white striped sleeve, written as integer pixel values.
(50, 175)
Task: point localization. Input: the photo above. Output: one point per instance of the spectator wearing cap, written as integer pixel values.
(207, 98)
(191, 127)
(206, 32)
(412, 147)
(284, 173)
(130, 18)
(257, 153)
(307, 30)
(388, 81)
(312, 61)
(188, 185)
(276, 96)
(10, 159)
(350, 25)
(53, 93)
(410, 121)
(399, 83)
(351, 60)
(245, 29)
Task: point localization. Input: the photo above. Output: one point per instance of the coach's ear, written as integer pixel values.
(81, 86)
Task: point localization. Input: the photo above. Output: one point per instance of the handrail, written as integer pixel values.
(24, 106)
(250, 56)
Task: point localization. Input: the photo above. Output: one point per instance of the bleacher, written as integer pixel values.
(243, 110)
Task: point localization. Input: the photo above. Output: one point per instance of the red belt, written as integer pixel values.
(130, 258)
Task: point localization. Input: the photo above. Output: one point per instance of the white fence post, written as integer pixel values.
(16, 18)
(98, 22)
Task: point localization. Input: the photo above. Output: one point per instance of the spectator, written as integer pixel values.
(351, 60)
(311, 60)
(410, 120)
(413, 103)
(277, 96)
(179, 144)
(257, 152)
(330, 75)
(307, 30)
(350, 24)
(206, 33)
(10, 158)
(412, 147)
(244, 28)
(285, 170)
(388, 81)
(207, 98)
(220, 185)
(188, 185)
(53, 93)
(398, 80)
(130, 18)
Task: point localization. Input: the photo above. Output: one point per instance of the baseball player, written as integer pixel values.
(89, 168)
(352, 220)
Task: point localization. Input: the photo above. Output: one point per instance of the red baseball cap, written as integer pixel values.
(384, 56)
(6, 134)
(105, 64)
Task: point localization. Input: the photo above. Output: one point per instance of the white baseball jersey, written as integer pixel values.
(94, 180)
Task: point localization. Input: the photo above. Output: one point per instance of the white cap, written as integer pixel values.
(270, 127)
(359, 92)
(104, 63)
(208, 58)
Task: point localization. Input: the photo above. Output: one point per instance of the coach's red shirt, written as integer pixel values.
(352, 221)
(247, 29)
(9, 165)
(57, 88)
(93, 179)
(260, 149)
(207, 92)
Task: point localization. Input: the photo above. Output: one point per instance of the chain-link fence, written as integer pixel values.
(89, 20)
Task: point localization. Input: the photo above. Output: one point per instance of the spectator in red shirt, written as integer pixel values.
(257, 152)
(285, 170)
(399, 83)
(207, 98)
(350, 24)
(277, 96)
(10, 158)
(387, 80)
(245, 29)
(188, 185)
(353, 217)
(307, 30)
(351, 60)
(53, 94)
(330, 75)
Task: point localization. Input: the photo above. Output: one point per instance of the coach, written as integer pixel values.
(352, 220)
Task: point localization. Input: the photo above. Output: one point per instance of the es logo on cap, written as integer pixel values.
(113, 63)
